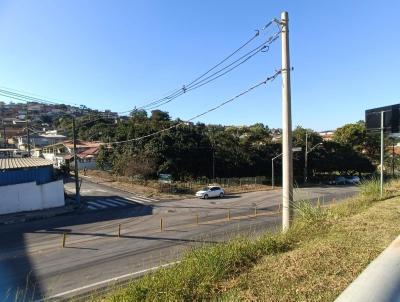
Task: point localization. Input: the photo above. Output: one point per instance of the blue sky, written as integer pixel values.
(118, 54)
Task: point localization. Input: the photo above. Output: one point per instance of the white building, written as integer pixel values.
(40, 140)
(62, 154)
(28, 184)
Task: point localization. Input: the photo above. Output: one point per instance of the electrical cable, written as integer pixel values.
(270, 78)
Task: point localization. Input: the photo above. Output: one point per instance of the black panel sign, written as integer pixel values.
(391, 119)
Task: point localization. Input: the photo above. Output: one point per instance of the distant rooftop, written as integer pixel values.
(19, 163)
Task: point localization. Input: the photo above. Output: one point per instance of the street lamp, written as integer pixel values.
(294, 149)
(306, 158)
(272, 170)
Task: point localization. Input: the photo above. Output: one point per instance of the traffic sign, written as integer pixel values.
(391, 119)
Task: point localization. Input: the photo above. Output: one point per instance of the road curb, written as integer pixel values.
(46, 214)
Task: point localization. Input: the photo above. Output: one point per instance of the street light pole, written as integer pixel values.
(273, 170)
(306, 160)
(213, 171)
(382, 152)
(393, 154)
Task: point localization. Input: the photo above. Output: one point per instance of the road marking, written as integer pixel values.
(143, 198)
(96, 204)
(107, 281)
(107, 203)
(135, 200)
(118, 202)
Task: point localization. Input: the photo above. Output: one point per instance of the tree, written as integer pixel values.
(138, 115)
(104, 158)
(353, 135)
(299, 137)
(159, 115)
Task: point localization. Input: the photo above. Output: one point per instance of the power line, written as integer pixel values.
(24, 98)
(228, 68)
(217, 74)
(178, 92)
(194, 84)
(53, 100)
(268, 79)
(29, 99)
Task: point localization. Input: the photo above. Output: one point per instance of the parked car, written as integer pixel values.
(340, 180)
(210, 191)
(353, 180)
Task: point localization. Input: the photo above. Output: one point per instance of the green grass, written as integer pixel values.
(324, 250)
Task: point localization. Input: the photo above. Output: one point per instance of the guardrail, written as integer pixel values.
(380, 281)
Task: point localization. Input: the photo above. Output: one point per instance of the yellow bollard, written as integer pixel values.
(161, 224)
(63, 240)
(255, 211)
(197, 218)
(229, 214)
(119, 230)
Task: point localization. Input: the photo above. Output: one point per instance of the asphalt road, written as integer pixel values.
(33, 262)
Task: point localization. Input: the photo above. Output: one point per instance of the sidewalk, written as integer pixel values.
(39, 214)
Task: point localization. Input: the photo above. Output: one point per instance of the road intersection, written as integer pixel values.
(94, 252)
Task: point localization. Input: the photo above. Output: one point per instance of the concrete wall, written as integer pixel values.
(57, 160)
(29, 197)
(90, 165)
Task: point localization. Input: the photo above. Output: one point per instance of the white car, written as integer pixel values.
(210, 191)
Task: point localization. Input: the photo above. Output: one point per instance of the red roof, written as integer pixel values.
(89, 152)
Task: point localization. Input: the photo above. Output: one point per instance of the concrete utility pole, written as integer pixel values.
(306, 160)
(27, 131)
(4, 135)
(287, 156)
(382, 151)
(77, 195)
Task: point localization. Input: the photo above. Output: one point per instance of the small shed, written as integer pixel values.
(23, 170)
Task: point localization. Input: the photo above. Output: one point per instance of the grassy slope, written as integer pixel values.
(321, 254)
(320, 268)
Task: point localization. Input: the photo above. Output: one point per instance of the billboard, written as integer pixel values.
(391, 119)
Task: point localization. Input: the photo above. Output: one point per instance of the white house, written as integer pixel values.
(62, 154)
(40, 140)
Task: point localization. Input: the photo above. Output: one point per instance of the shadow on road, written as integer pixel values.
(18, 277)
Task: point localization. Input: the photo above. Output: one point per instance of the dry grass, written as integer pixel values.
(325, 249)
(320, 268)
(152, 187)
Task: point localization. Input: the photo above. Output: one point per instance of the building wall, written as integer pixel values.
(85, 164)
(40, 175)
(30, 197)
(58, 161)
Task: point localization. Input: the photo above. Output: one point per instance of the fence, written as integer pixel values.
(192, 185)
(187, 186)
(239, 181)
